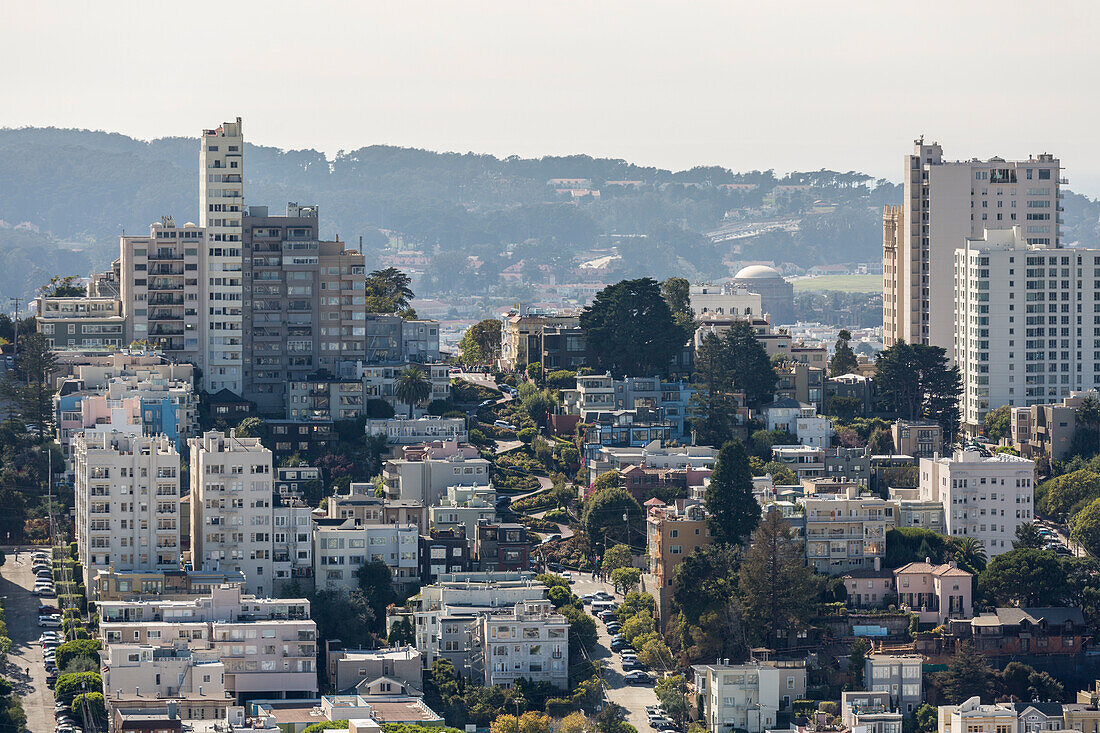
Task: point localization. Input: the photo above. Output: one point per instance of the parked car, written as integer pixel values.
(51, 679)
(618, 644)
(44, 610)
(567, 575)
(43, 590)
(638, 678)
(632, 664)
(659, 722)
(52, 622)
(614, 628)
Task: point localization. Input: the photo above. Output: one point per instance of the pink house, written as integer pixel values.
(934, 592)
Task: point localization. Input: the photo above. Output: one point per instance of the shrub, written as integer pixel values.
(527, 435)
(87, 648)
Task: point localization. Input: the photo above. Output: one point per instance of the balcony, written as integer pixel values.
(163, 299)
(162, 285)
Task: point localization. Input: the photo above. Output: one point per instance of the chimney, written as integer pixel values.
(928, 560)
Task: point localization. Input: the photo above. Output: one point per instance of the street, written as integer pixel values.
(632, 697)
(21, 609)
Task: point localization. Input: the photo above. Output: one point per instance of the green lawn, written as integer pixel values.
(845, 283)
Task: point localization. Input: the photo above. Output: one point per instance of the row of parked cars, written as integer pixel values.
(42, 566)
(605, 609)
(659, 720)
(49, 618)
(1051, 540)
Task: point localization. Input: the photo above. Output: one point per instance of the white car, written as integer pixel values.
(52, 622)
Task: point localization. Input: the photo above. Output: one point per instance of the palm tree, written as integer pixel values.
(412, 387)
(970, 554)
(1027, 536)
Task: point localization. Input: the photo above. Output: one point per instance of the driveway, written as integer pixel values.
(632, 697)
(21, 610)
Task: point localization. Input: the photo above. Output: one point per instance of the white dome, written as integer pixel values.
(757, 272)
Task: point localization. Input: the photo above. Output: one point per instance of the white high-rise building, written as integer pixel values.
(946, 203)
(1027, 323)
(232, 485)
(984, 497)
(221, 206)
(127, 502)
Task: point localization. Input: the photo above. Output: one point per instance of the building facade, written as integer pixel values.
(737, 697)
(530, 641)
(945, 203)
(221, 208)
(80, 323)
(983, 496)
(127, 503)
(232, 490)
(846, 531)
(305, 306)
(1044, 351)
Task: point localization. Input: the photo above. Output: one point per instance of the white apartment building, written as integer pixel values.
(899, 675)
(801, 420)
(445, 615)
(708, 300)
(232, 485)
(846, 531)
(221, 205)
(983, 496)
(945, 203)
(162, 288)
(268, 646)
(531, 642)
(424, 474)
(403, 431)
(744, 696)
(871, 712)
(134, 672)
(340, 546)
(1027, 322)
(379, 381)
(974, 717)
(464, 506)
(127, 503)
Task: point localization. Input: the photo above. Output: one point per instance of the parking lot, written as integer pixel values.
(16, 583)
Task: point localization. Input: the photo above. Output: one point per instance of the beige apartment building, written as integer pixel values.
(846, 531)
(127, 503)
(268, 646)
(162, 293)
(917, 438)
(232, 486)
(945, 203)
(1046, 430)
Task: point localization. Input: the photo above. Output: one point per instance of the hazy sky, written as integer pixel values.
(784, 85)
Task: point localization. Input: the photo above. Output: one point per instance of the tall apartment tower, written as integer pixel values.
(304, 304)
(221, 206)
(232, 485)
(946, 203)
(127, 501)
(1027, 328)
(162, 291)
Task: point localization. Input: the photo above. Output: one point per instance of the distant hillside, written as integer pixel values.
(83, 186)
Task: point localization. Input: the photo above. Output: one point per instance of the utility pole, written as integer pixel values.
(15, 326)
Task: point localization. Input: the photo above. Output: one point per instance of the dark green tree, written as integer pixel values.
(712, 407)
(968, 675)
(630, 329)
(388, 291)
(1024, 577)
(778, 592)
(915, 381)
(1086, 431)
(481, 342)
(749, 364)
(604, 523)
(733, 512)
(706, 580)
(677, 293)
(844, 359)
(376, 581)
